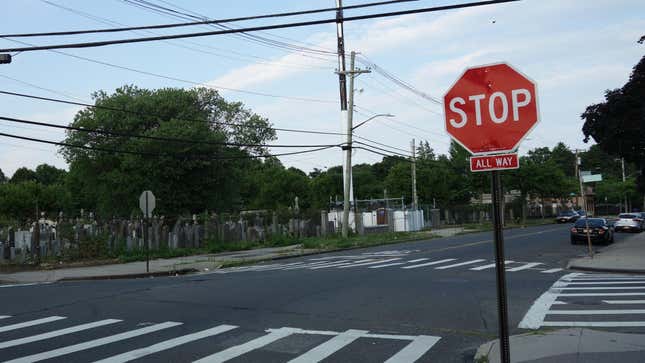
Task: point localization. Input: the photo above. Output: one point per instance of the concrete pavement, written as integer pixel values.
(626, 255)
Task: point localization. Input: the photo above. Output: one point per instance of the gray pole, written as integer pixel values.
(348, 148)
(622, 164)
(146, 239)
(505, 355)
(584, 206)
(341, 55)
(415, 200)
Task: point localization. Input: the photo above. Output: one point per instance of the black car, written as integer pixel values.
(567, 217)
(599, 231)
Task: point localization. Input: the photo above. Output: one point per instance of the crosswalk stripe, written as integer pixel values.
(93, 343)
(596, 312)
(605, 283)
(524, 267)
(594, 323)
(603, 288)
(551, 270)
(413, 351)
(27, 284)
(604, 294)
(606, 278)
(238, 350)
(459, 264)
(334, 264)
(283, 266)
(5, 316)
(624, 301)
(30, 323)
(389, 264)
(55, 333)
(168, 344)
(307, 265)
(429, 263)
(371, 263)
(479, 268)
(329, 347)
(418, 260)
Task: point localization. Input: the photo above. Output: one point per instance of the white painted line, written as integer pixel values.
(30, 323)
(604, 294)
(479, 268)
(5, 316)
(429, 263)
(93, 343)
(168, 344)
(606, 283)
(551, 270)
(390, 336)
(371, 263)
(308, 265)
(284, 266)
(624, 302)
(28, 284)
(238, 350)
(607, 278)
(413, 351)
(594, 323)
(534, 318)
(596, 312)
(329, 347)
(56, 333)
(604, 288)
(333, 264)
(559, 303)
(459, 264)
(418, 260)
(389, 264)
(524, 267)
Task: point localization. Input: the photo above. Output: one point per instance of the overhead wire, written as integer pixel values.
(49, 99)
(252, 29)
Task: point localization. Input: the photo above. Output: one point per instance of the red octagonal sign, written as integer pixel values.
(491, 108)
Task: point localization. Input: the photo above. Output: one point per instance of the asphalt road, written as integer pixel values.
(425, 301)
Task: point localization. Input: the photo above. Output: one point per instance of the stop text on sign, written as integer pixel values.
(494, 162)
(498, 107)
(490, 109)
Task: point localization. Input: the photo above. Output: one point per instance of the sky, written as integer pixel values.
(574, 50)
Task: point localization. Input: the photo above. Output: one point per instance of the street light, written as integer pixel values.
(371, 118)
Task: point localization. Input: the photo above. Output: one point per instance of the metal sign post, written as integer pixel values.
(500, 272)
(147, 205)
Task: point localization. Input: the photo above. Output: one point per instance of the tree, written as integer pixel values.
(186, 177)
(3, 178)
(48, 175)
(617, 124)
(22, 175)
(564, 158)
(425, 152)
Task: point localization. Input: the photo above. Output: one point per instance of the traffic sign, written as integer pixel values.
(494, 162)
(147, 203)
(491, 108)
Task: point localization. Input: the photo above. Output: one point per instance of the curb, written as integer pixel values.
(131, 276)
(606, 269)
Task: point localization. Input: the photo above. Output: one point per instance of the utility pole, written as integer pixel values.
(348, 147)
(622, 165)
(584, 203)
(415, 200)
(5, 58)
(341, 55)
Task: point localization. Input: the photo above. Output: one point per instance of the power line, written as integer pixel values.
(158, 115)
(143, 153)
(251, 29)
(204, 22)
(378, 148)
(379, 143)
(176, 79)
(157, 138)
(382, 154)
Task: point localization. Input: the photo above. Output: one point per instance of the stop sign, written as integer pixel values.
(491, 108)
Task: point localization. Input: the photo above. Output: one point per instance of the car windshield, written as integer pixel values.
(628, 216)
(592, 222)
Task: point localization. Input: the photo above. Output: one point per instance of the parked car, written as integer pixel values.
(567, 216)
(633, 222)
(599, 231)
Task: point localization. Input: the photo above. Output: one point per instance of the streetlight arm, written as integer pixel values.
(371, 118)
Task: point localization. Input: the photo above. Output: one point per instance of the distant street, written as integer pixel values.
(426, 301)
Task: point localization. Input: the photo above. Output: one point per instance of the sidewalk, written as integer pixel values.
(627, 256)
(569, 345)
(158, 267)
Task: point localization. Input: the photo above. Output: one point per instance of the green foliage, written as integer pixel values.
(23, 175)
(21, 200)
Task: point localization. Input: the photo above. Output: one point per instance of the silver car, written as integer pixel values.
(629, 222)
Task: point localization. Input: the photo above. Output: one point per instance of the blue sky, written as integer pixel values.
(573, 49)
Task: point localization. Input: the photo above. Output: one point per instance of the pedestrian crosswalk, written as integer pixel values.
(590, 300)
(413, 348)
(373, 261)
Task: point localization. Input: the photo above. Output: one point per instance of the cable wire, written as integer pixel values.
(250, 29)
